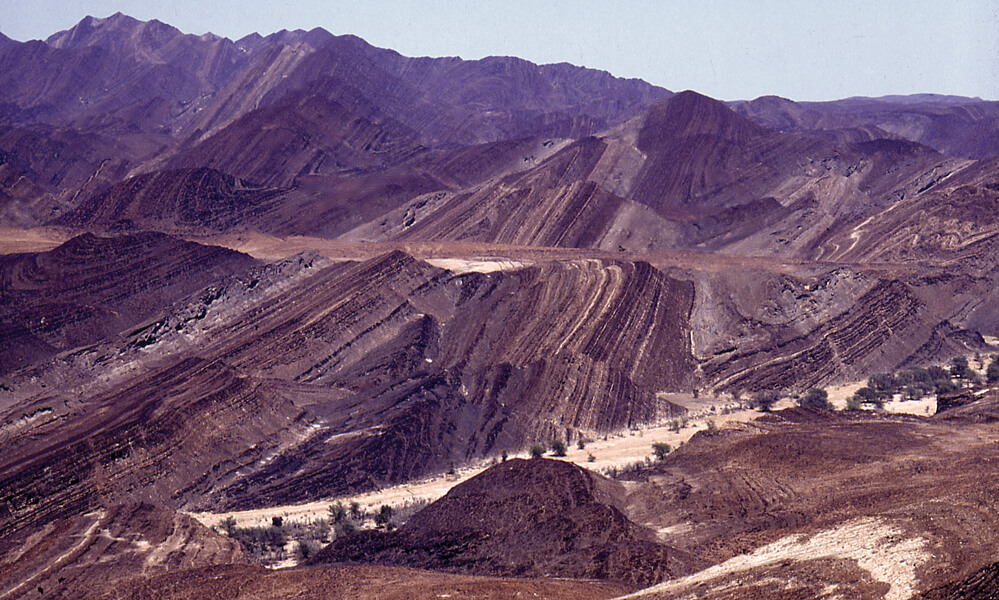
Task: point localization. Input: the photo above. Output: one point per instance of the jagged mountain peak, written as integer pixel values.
(315, 37)
(112, 31)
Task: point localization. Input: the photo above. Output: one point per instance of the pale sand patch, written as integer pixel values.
(609, 452)
(839, 393)
(38, 239)
(925, 407)
(462, 266)
(874, 543)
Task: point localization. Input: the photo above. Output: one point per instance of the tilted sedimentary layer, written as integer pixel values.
(91, 288)
(83, 555)
(309, 380)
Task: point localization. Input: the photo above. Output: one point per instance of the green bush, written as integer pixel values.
(338, 513)
(959, 368)
(765, 399)
(992, 373)
(661, 450)
(537, 450)
(884, 384)
(815, 398)
(384, 516)
(558, 447)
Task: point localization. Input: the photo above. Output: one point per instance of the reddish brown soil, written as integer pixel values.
(351, 583)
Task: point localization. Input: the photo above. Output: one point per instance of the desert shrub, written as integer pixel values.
(261, 541)
(558, 447)
(307, 548)
(765, 399)
(581, 444)
(938, 373)
(384, 516)
(992, 372)
(854, 402)
(815, 398)
(866, 394)
(537, 450)
(884, 385)
(408, 508)
(944, 387)
(625, 471)
(338, 513)
(228, 525)
(959, 368)
(591, 458)
(345, 528)
(661, 450)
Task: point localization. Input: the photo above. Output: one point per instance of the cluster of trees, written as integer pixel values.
(557, 446)
(262, 541)
(913, 383)
(916, 383)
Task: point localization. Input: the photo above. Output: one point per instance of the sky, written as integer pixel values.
(727, 49)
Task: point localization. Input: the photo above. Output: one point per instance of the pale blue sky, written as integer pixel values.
(728, 49)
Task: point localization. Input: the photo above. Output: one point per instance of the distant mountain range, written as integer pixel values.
(237, 274)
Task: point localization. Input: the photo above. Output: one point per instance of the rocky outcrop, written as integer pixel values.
(91, 288)
(88, 555)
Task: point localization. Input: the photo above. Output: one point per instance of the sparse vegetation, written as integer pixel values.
(338, 513)
(537, 450)
(383, 518)
(959, 368)
(558, 447)
(992, 372)
(815, 398)
(266, 543)
(766, 399)
(661, 450)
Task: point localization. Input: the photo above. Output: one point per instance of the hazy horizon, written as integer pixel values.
(725, 49)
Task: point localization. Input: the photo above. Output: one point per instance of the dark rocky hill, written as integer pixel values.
(92, 288)
(524, 518)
